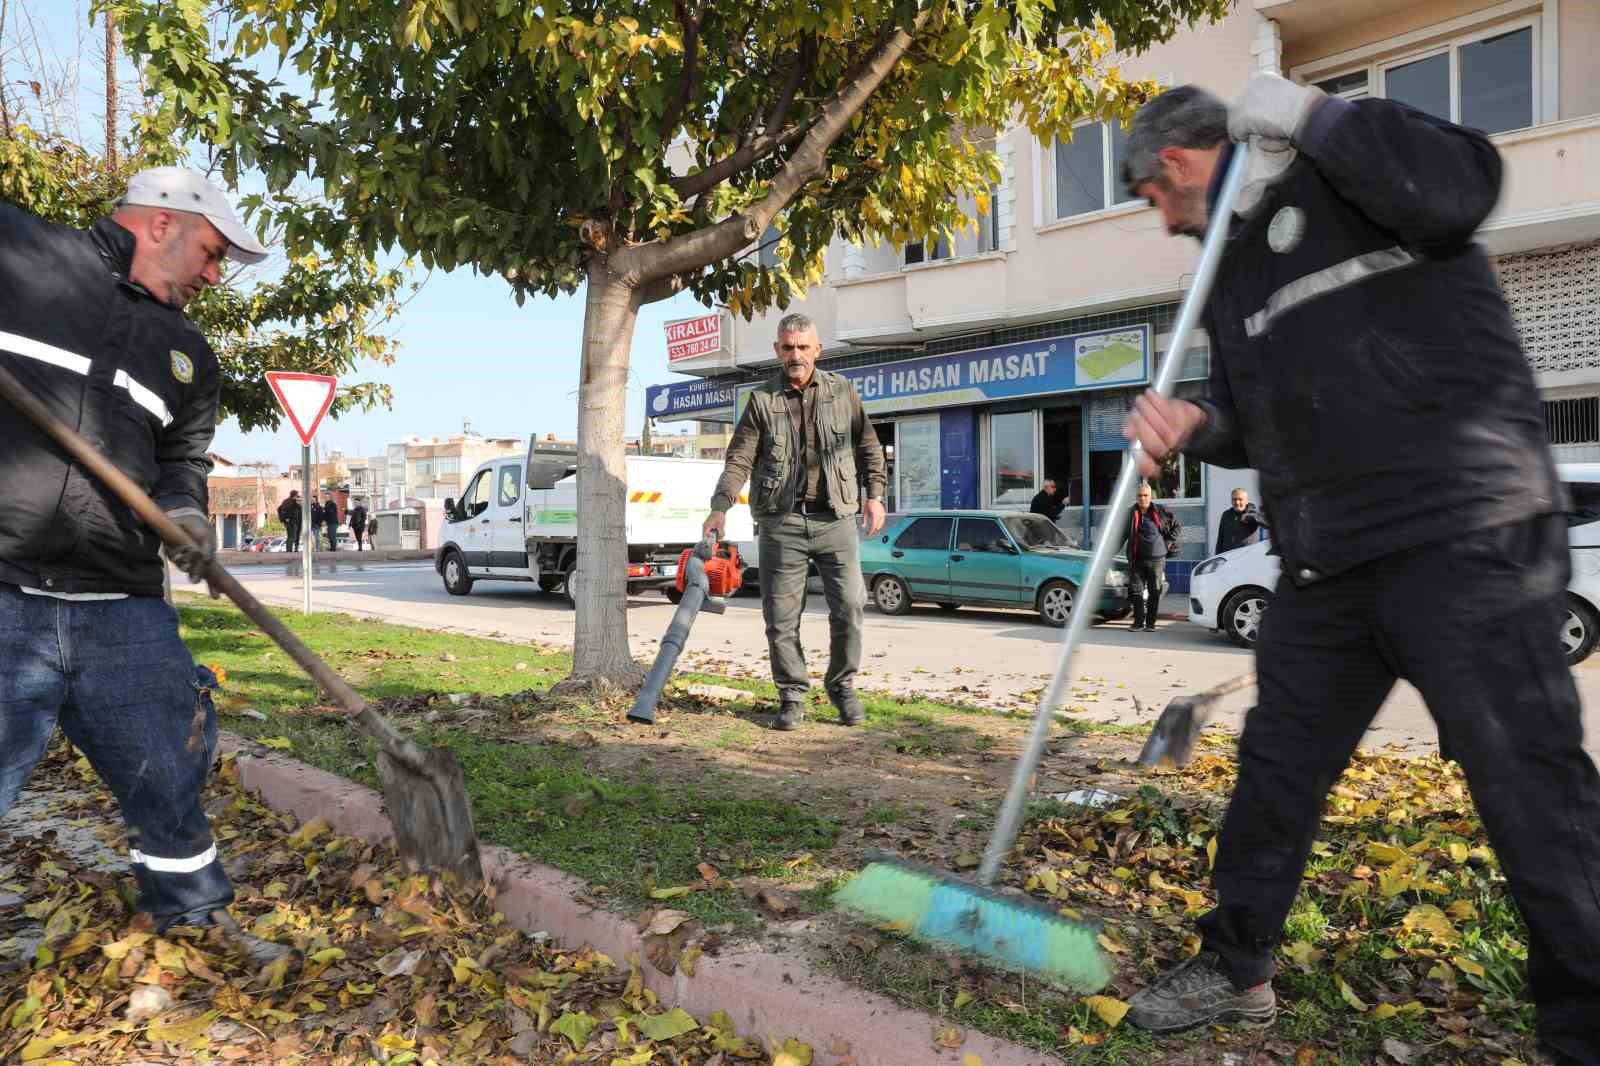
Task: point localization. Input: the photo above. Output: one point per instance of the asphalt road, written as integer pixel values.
(991, 658)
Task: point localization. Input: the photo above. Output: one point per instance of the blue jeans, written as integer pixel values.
(120, 682)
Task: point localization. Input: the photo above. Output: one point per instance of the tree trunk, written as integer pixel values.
(600, 651)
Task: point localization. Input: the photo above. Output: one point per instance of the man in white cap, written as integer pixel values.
(92, 323)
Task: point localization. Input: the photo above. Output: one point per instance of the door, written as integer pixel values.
(921, 553)
(985, 565)
(469, 526)
(508, 545)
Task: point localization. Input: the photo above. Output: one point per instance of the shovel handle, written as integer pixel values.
(123, 487)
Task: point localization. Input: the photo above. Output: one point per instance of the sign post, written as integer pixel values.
(305, 398)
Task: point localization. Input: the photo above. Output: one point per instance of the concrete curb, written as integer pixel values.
(233, 559)
(768, 996)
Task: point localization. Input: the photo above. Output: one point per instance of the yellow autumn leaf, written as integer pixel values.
(281, 743)
(1211, 854)
(1458, 851)
(1110, 1009)
(793, 1053)
(1466, 965)
(1385, 1010)
(962, 999)
(1385, 853)
(1349, 994)
(969, 1059)
(395, 1042)
(670, 893)
(1111, 942)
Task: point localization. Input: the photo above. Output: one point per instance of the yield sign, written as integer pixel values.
(305, 398)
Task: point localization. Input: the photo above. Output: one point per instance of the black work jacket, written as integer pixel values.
(1363, 358)
(131, 374)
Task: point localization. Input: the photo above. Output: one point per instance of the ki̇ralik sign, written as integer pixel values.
(690, 338)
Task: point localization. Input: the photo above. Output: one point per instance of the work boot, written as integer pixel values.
(1198, 992)
(790, 714)
(851, 712)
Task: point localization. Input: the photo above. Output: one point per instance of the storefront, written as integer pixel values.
(984, 426)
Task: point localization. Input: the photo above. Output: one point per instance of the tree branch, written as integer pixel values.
(645, 263)
(691, 58)
(754, 149)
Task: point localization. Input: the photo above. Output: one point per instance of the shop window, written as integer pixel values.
(1085, 171)
(1179, 479)
(1574, 421)
(1487, 81)
(926, 534)
(1104, 468)
(1013, 473)
(411, 522)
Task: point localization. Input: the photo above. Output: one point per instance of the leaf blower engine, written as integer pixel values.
(724, 571)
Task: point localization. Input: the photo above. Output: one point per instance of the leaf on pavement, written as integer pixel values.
(674, 1023)
(576, 1027)
(1110, 1010)
(793, 1053)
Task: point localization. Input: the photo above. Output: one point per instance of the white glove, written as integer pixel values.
(1269, 160)
(1271, 107)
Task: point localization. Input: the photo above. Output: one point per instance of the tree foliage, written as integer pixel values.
(321, 311)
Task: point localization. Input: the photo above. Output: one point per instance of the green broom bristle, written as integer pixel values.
(1012, 932)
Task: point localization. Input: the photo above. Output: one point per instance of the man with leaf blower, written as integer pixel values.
(92, 325)
(1363, 358)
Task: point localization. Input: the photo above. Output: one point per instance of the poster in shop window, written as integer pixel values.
(917, 462)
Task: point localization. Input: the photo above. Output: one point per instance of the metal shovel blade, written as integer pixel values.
(1173, 739)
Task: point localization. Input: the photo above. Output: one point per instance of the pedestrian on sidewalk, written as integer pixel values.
(1363, 360)
(806, 438)
(1149, 537)
(93, 326)
(289, 514)
(358, 523)
(330, 521)
(318, 515)
(1238, 523)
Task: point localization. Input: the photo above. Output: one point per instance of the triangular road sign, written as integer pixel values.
(305, 398)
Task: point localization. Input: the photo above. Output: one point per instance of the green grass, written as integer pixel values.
(628, 836)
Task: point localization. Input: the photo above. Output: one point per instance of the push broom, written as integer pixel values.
(1010, 930)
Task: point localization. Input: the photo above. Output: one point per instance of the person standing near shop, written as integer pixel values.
(92, 325)
(1238, 523)
(289, 513)
(1145, 538)
(1364, 361)
(805, 446)
(1047, 502)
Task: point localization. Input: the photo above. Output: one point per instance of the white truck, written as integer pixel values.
(517, 520)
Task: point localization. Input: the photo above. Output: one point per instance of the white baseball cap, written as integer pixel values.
(177, 189)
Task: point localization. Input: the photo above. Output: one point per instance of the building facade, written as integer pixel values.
(1009, 354)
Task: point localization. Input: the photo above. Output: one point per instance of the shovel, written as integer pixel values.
(1172, 741)
(423, 789)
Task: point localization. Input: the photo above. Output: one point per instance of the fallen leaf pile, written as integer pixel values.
(386, 967)
(1403, 912)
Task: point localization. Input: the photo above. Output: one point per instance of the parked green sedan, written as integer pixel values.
(982, 559)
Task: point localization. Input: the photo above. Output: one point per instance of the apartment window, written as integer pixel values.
(424, 467)
(985, 237)
(1179, 479)
(1486, 81)
(1574, 421)
(1086, 171)
(449, 464)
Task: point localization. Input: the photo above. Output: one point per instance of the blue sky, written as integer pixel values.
(468, 351)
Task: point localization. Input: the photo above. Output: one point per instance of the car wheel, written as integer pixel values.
(1580, 630)
(750, 583)
(672, 593)
(569, 578)
(1241, 616)
(949, 606)
(551, 583)
(890, 595)
(457, 581)
(1055, 602)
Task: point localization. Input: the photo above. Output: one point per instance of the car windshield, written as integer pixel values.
(1033, 531)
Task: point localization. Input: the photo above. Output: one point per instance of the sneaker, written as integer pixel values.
(790, 714)
(1198, 992)
(851, 712)
(1150, 627)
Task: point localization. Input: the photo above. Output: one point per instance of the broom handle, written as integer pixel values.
(1010, 820)
(123, 487)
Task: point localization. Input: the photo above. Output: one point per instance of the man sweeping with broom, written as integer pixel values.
(1366, 364)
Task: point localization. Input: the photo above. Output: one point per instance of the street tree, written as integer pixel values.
(636, 149)
(322, 310)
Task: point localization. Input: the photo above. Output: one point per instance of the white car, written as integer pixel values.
(1231, 592)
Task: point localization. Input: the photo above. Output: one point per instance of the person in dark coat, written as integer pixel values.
(1365, 363)
(1146, 540)
(358, 524)
(1046, 502)
(1238, 523)
(330, 522)
(289, 513)
(317, 515)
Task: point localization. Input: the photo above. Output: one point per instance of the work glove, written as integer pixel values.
(194, 560)
(1271, 107)
(1269, 161)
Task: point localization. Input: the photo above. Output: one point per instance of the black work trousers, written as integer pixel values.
(1147, 582)
(1473, 624)
(291, 536)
